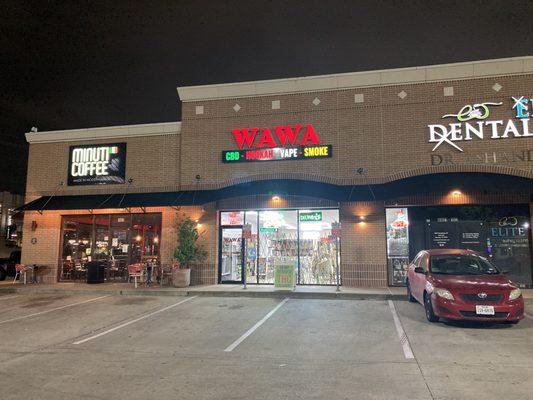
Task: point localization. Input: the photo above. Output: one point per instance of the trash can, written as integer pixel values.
(96, 272)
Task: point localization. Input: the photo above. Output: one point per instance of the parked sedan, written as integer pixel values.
(463, 285)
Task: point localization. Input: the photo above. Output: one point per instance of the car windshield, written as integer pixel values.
(461, 264)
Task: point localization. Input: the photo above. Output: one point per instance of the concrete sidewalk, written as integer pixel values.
(265, 291)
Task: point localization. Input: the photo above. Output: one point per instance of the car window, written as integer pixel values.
(462, 264)
(424, 261)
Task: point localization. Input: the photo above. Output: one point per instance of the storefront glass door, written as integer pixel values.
(278, 242)
(254, 242)
(318, 247)
(231, 261)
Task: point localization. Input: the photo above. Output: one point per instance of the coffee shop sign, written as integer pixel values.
(473, 124)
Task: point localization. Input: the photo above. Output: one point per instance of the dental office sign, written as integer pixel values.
(101, 164)
(474, 123)
(286, 142)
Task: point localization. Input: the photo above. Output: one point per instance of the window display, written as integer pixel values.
(120, 239)
(302, 238)
(397, 222)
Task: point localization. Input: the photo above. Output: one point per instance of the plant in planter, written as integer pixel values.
(187, 252)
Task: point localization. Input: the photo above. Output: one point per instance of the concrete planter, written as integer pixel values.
(181, 277)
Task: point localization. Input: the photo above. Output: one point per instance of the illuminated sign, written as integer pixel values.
(473, 123)
(286, 142)
(277, 154)
(97, 164)
(311, 216)
(283, 136)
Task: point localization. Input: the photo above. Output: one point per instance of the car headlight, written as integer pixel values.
(444, 293)
(515, 294)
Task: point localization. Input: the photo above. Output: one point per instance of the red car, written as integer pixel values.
(463, 285)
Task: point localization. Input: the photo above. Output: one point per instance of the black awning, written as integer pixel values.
(405, 187)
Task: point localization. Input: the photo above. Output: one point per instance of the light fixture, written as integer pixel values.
(156, 240)
(362, 217)
(456, 193)
(275, 198)
(198, 225)
(138, 238)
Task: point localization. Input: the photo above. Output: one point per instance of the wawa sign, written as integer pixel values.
(287, 142)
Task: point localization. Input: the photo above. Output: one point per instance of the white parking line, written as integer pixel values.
(53, 309)
(253, 328)
(133, 321)
(9, 297)
(407, 351)
(528, 316)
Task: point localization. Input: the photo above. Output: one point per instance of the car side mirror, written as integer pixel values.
(419, 270)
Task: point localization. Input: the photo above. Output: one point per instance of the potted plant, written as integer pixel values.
(187, 252)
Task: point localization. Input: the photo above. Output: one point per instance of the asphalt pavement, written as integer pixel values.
(101, 346)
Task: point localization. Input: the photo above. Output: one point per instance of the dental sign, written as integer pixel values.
(474, 123)
(101, 164)
(287, 142)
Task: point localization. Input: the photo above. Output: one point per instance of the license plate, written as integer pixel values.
(485, 310)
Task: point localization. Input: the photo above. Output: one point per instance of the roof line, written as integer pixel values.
(106, 132)
(383, 77)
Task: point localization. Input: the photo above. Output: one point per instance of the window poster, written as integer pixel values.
(397, 223)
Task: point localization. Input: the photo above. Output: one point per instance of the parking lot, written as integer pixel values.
(147, 347)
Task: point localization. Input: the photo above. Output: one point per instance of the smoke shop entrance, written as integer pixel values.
(253, 243)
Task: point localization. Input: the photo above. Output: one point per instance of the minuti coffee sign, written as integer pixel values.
(287, 142)
(102, 164)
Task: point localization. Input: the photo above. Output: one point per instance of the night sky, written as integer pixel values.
(88, 64)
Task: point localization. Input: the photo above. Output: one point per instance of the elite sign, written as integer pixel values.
(101, 164)
(287, 142)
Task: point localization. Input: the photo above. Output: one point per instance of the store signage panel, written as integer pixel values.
(311, 216)
(277, 154)
(474, 123)
(287, 142)
(101, 164)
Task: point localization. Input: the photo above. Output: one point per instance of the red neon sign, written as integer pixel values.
(284, 135)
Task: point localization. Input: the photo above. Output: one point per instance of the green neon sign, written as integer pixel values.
(311, 216)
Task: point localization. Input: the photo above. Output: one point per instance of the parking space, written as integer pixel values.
(74, 347)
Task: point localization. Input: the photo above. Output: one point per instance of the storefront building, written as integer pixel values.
(344, 176)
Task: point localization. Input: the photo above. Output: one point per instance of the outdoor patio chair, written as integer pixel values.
(22, 269)
(135, 271)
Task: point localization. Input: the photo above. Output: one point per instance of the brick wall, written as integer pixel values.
(152, 162)
(385, 135)
(364, 251)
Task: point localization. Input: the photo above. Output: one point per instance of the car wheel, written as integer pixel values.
(2, 274)
(409, 294)
(430, 314)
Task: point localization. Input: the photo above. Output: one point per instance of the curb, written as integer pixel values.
(208, 293)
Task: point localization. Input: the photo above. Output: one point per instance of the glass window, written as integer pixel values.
(302, 238)
(232, 218)
(251, 243)
(397, 226)
(318, 247)
(101, 248)
(120, 239)
(77, 246)
(461, 264)
(278, 242)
